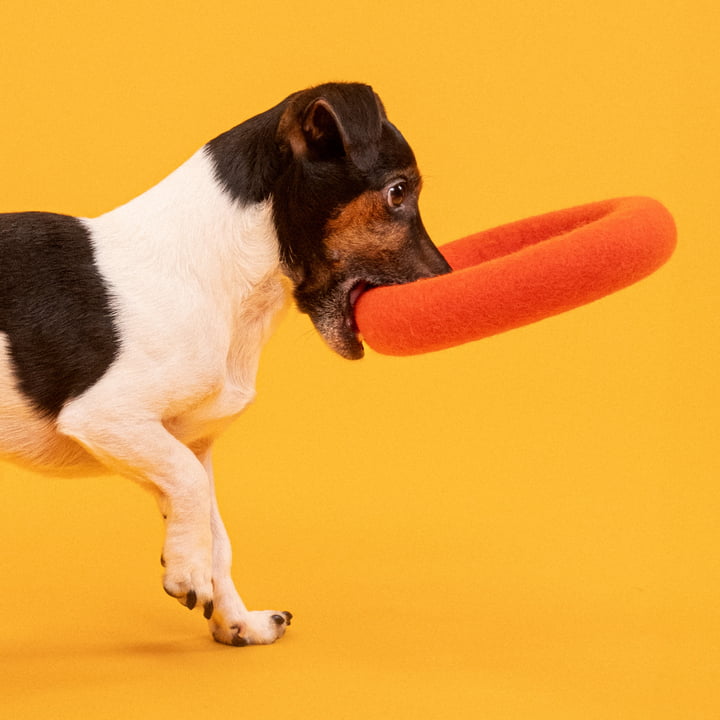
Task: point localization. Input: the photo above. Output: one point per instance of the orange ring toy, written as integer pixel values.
(520, 273)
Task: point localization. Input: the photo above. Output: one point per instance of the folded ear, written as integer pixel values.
(335, 120)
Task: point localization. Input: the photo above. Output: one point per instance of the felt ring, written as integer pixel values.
(520, 273)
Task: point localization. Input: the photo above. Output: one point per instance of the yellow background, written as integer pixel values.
(524, 527)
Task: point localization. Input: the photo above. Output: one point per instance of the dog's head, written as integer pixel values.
(346, 207)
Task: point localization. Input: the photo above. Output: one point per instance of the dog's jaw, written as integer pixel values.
(333, 315)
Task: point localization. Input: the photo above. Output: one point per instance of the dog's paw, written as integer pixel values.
(259, 627)
(188, 582)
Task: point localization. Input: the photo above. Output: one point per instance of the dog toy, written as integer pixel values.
(520, 273)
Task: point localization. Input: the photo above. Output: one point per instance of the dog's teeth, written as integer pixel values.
(356, 292)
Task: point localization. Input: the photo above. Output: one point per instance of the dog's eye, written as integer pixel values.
(396, 195)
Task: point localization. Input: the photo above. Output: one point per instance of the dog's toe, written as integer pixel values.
(256, 628)
(233, 635)
(190, 599)
(237, 639)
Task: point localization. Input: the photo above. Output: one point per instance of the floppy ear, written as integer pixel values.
(333, 121)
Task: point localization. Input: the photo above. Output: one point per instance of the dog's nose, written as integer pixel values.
(430, 259)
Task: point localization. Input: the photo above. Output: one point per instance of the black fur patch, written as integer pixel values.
(247, 158)
(54, 308)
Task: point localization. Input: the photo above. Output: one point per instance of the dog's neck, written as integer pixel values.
(248, 159)
(191, 225)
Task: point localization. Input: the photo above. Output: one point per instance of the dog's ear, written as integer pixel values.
(335, 120)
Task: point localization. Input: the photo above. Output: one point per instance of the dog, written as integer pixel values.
(129, 341)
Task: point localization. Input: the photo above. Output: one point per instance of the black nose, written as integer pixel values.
(430, 260)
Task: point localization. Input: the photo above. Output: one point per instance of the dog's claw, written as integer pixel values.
(238, 640)
(190, 600)
(279, 619)
(208, 610)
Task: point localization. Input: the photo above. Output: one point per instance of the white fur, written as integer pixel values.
(195, 282)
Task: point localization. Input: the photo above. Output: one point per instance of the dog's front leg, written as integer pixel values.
(231, 622)
(141, 448)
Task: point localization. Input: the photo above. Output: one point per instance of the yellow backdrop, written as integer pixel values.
(524, 527)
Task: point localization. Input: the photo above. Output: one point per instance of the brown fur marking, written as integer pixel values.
(364, 226)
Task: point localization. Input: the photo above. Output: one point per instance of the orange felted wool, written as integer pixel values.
(520, 273)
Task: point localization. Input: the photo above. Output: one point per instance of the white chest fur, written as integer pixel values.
(196, 281)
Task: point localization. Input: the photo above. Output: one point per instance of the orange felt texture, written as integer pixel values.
(520, 273)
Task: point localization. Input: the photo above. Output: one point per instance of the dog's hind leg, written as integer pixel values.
(231, 622)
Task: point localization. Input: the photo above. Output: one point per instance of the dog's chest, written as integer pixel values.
(233, 385)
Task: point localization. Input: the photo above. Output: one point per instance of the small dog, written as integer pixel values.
(129, 341)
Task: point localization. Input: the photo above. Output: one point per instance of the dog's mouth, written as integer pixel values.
(348, 342)
(332, 309)
(353, 296)
(355, 292)
(333, 314)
